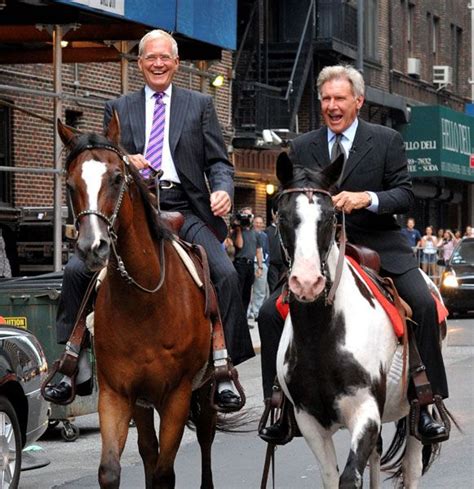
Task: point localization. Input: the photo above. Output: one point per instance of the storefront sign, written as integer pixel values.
(440, 143)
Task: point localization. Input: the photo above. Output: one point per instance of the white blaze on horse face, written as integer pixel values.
(92, 173)
(306, 280)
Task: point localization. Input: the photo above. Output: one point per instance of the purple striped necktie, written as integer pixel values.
(155, 142)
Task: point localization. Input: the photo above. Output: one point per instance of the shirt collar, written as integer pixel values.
(150, 92)
(349, 133)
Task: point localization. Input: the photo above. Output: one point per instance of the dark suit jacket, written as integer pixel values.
(196, 145)
(376, 162)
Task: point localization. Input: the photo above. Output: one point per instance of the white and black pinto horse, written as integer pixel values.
(340, 364)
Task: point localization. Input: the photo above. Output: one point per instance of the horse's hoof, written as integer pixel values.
(228, 400)
(430, 430)
(58, 394)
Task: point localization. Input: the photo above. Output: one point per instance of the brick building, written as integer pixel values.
(93, 70)
(413, 54)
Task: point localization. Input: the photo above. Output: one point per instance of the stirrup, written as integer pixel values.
(224, 370)
(279, 410)
(66, 365)
(439, 413)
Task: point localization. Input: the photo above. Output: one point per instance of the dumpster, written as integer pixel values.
(31, 303)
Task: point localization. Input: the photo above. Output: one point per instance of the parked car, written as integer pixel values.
(23, 411)
(457, 282)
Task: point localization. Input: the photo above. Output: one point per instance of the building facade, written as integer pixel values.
(413, 54)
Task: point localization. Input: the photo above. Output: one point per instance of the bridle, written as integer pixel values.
(309, 192)
(110, 220)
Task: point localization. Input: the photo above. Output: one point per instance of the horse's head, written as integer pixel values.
(306, 222)
(97, 177)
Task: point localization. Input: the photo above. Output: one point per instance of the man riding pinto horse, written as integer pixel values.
(374, 185)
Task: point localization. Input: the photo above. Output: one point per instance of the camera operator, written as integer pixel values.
(248, 245)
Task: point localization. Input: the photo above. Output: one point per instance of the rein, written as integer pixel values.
(310, 192)
(110, 220)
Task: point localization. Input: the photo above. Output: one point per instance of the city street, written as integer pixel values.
(238, 458)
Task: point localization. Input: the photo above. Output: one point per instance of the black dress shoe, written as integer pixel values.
(58, 393)
(228, 399)
(430, 430)
(86, 388)
(277, 433)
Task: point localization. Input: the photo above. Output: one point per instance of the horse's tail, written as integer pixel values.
(392, 459)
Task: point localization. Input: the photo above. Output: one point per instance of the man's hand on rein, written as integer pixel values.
(138, 161)
(350, 201)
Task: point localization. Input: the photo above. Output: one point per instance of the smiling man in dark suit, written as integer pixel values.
(373, 186)
(185, 142)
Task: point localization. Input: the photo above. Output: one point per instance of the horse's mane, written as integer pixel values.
(304, 177)
(158, 227)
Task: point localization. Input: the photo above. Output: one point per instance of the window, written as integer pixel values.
(370, 28)
(435, 38)
(456, 52)
(73, 118)
(410, 20)
(6, 194)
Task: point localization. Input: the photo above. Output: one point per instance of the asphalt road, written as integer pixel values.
(238, 458)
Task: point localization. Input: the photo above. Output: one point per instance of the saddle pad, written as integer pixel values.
(188, 263)
(388, 307)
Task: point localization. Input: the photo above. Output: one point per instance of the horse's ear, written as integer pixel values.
(66, 133)
(332, 172)
(112, 133)
(284, 168)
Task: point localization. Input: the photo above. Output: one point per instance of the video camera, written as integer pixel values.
(243, 219)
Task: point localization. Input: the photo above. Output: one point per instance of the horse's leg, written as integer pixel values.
(321, 444)
(374, 462)
(114, 416)
(412, 464)
(363, 421)
(204, 416)
(173, 415)
(147, 441)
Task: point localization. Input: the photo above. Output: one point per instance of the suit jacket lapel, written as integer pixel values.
(136, 113)
(179, 108)
(319, 149)
(360, 147)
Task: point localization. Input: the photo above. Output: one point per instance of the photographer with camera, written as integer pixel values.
(248, 245)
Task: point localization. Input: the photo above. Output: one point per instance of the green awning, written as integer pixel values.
(440, 143)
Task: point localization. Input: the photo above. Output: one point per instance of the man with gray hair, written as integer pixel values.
(176, 131)
(373, 186)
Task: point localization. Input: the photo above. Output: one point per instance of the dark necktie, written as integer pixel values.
(155, 143)
(337, 148)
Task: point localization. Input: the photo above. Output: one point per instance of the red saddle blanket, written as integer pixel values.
(388, 307)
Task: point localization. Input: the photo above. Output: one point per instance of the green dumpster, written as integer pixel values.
(31, 303)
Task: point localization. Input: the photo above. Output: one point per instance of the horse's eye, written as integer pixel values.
(117, 178)
(69, 187)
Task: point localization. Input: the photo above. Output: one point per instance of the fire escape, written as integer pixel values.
(271, 76)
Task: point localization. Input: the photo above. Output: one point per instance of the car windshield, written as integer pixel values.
(463, 254)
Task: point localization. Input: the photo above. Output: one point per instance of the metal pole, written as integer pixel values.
(360, 35)
(58, 108)
(471, 81)
(124, 67)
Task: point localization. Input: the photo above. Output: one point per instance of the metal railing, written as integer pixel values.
(262, 105)
(337, 20)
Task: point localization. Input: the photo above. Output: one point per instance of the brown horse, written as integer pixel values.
(152, 338)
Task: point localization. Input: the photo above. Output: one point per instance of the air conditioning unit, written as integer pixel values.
(442, 75)
(414, 67)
